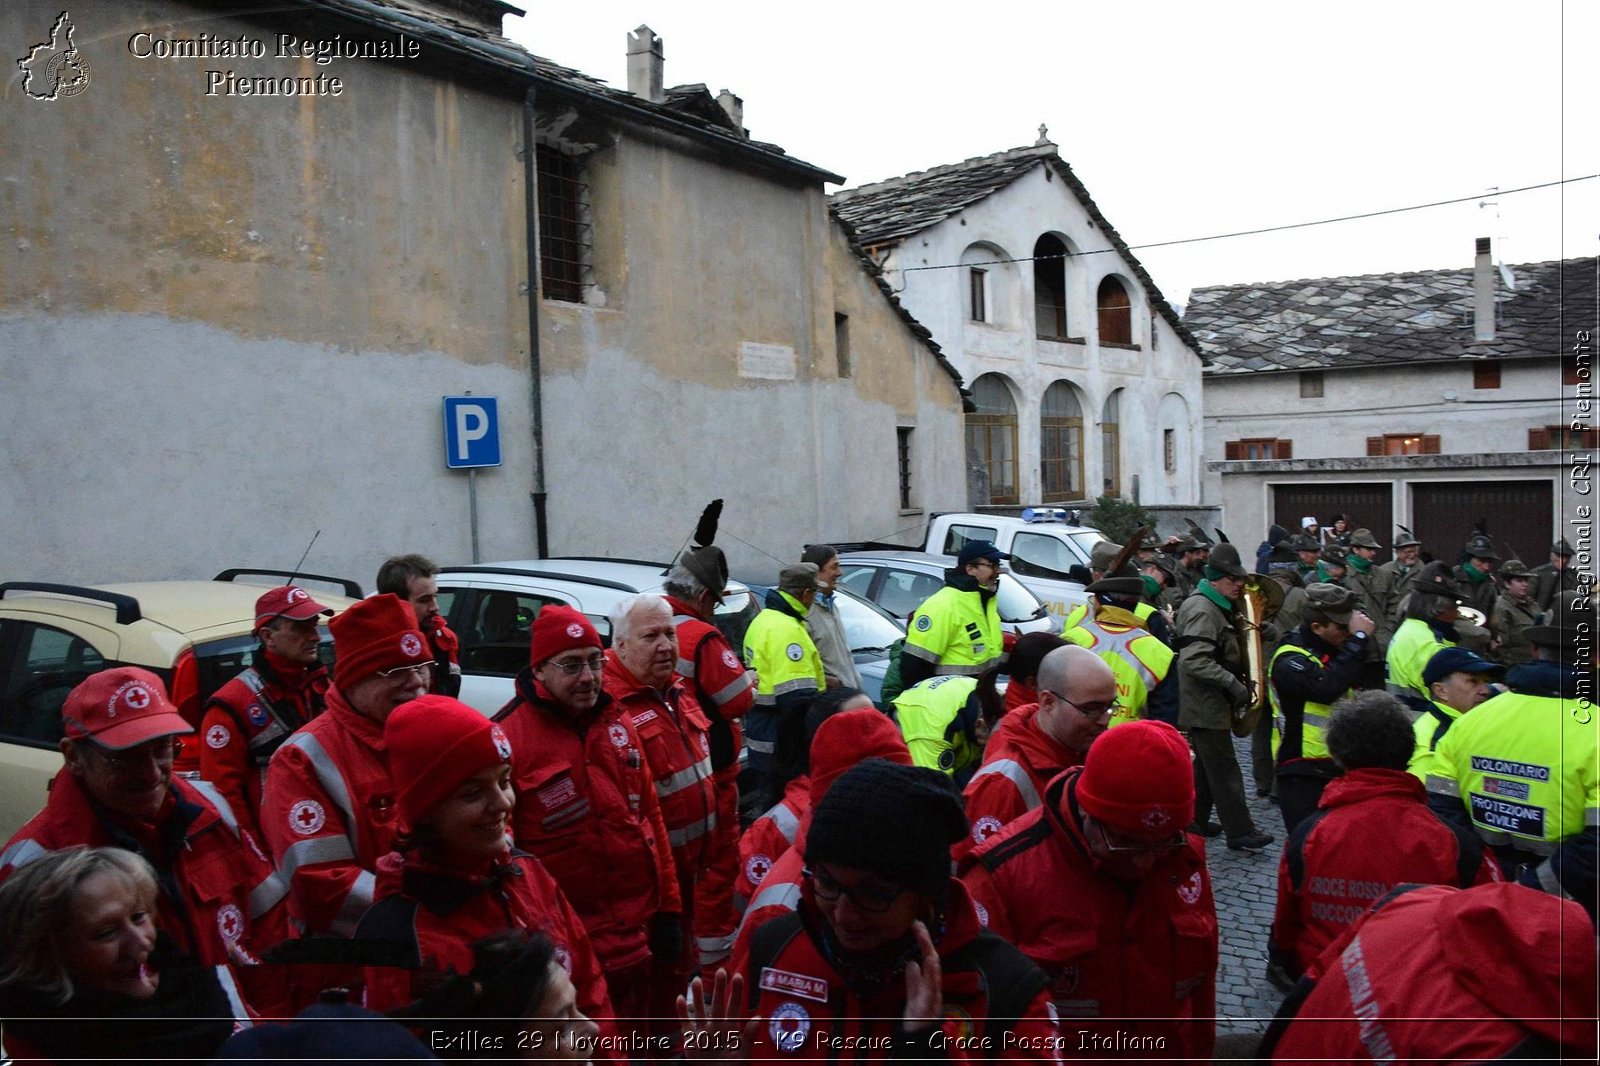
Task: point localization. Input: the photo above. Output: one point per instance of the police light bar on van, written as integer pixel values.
(1044, 514)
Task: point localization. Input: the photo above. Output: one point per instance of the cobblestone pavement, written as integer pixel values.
(1245, 885)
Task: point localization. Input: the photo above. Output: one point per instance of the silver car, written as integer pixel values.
(898, 581)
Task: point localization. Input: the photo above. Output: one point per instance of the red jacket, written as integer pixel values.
(1018, 762)
(769, 837)
(587, 807)
(330, 815)
(220, 900)
(1440, 974)
(676, 736)
(1125, 961)
(433, 915)
(248, 719)
(1372, 831)
(1018, 695)
(809, 1010)
(725, 690)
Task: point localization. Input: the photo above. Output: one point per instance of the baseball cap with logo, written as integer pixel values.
(288, 601)
(121, 708)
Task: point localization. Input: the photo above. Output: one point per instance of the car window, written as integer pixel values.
(857, 579)
(904, 590)
(497, 629)
(1084, 540)
(1016, 603)
(959, 535)
(865, 629)
(1041, 555)
(220, 661)
(45, 664)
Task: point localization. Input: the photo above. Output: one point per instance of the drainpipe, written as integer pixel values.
(530, 200)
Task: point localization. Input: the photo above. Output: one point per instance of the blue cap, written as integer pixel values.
(973, 550)
(1458, 661)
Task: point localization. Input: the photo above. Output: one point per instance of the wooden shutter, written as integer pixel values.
(1538, 440)
(1283, 449)
(1374, 445)
(1234, 450)
(1430, 444)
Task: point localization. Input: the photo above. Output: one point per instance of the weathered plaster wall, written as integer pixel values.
(1005, 226)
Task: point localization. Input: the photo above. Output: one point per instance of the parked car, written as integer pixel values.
(898, 582)
(195, 635)
(868, 629)
(491, 607)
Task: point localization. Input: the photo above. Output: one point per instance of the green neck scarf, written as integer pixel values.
(1474, 575)
(1360, 564)
(1205, 589)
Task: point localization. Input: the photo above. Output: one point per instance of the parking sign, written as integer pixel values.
(471, 432)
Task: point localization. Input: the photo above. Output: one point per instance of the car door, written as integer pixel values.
(39, 665)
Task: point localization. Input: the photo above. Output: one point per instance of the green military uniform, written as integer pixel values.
(1510, 622)
(937, 717)
(1548, 581)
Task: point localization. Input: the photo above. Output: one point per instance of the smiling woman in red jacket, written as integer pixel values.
(455, 879)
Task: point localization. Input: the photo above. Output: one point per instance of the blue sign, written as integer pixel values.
(471, 432)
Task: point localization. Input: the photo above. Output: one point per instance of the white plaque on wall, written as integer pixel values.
(771, 362)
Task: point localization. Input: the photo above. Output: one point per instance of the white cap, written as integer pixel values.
(1307, 522)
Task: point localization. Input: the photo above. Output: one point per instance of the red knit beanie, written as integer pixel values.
(377, 633)
(1139, 778)
(435, 743)
(558, 628)
(849, 737)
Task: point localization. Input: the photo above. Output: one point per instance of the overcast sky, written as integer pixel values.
(1184, 119)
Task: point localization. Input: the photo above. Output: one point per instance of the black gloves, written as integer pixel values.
(666, 936)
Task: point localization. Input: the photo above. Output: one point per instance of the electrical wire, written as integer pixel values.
(1262, 229)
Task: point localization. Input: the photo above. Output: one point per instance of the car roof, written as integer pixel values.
(193, 610)
(1013, 522)
(915, 558)
(637, 575)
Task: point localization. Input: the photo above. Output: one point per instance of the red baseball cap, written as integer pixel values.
(288, 601)
(121, 708)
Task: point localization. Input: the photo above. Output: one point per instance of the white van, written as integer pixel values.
(1042, 546)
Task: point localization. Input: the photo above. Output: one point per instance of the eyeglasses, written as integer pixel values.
(1122, 845)
(829, 890)
(595, 664)
(1093, 713)
(161, 752)
(401, 673)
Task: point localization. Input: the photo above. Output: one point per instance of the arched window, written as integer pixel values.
(1116, 312)
(992, 437)
(1050, 288)
(1110, 443)
(1061, 444)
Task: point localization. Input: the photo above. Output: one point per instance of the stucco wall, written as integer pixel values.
(227, 323)
(1005, 226)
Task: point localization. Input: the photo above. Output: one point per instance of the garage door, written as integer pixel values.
(1370, 505)
(1516, 514)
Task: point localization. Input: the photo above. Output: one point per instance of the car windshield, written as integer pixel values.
(1016, 603)
(1085, 540)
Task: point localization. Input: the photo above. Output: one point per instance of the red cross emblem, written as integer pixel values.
(230, 923)
(306, 817)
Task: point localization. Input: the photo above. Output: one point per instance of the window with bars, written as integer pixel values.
(1061, 444)
(903, 453)
(1169, 450)
(565, 234)
(992, 437)
(1404, 444)
(1050, 288)
(1258, 448)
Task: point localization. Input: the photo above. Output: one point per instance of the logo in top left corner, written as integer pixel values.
(55, 69)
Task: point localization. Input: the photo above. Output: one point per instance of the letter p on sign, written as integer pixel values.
(471, 432)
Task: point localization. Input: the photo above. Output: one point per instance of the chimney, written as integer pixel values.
(734, 106)
(645, 65)
(1483, 293)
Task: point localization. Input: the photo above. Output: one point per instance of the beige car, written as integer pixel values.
(195, 634)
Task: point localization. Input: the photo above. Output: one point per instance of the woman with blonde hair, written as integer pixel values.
(79, 944)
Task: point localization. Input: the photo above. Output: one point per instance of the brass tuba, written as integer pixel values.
(1261, 600)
